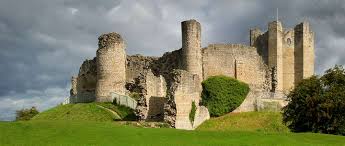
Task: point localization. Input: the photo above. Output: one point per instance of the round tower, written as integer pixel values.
(191, 47)
(111, 66)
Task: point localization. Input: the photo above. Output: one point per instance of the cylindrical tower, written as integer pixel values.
(111, 66)
(191, 47)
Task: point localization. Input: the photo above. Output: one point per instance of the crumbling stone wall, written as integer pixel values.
(137, 64)
(86, 81)
(155, 97)
(238, 61)
(167, 63)
(183, 90)
(111, 66)
(152, 91)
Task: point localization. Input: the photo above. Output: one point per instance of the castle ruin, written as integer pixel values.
(273, 63)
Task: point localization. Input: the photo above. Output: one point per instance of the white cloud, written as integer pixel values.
(43, 100)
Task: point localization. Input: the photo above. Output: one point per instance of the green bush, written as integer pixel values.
(223, 94)
(26, 114)
(192, 112)
(317, 104)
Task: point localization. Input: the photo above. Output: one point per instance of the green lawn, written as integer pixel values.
(110, 133)
(88, 124)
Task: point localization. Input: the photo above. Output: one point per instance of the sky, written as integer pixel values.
(44, 42)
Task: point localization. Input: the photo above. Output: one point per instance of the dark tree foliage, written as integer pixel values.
(222, 94)
(26, 114)
(317, 104)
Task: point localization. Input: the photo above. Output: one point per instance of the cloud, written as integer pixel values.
(41, 99)
(43, 43)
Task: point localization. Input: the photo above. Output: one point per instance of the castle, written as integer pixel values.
(273, 63)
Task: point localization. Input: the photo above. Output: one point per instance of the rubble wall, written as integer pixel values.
(184, 89)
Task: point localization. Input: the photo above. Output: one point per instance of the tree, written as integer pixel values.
(317, 104)
(26, 114)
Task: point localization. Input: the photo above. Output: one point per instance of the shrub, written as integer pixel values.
(223, 94)
(317, 104)
(135, 95)
(26, 114)
(192, 112)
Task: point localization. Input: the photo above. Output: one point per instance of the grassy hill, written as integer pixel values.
(80, 112)
(249, 121)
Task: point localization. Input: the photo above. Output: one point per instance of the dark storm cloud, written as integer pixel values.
(44, 42)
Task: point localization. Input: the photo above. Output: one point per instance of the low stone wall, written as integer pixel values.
(259, 100)
(201, 115)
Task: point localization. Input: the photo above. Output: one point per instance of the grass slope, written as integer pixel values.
(109, 133)
(248, 121)
(79, 112)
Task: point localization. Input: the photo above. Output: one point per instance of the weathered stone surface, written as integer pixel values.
(111, 66)
(238, 61)
(184, 89)
(191, 47)
(291, 51)
(201, 115)
(86, 82)
(137, 64)
(256, 101)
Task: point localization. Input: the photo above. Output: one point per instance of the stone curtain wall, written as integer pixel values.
(111, 67)
(238, 61)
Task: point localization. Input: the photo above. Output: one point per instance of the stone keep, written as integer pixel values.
(191, 47)
(111, 66)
